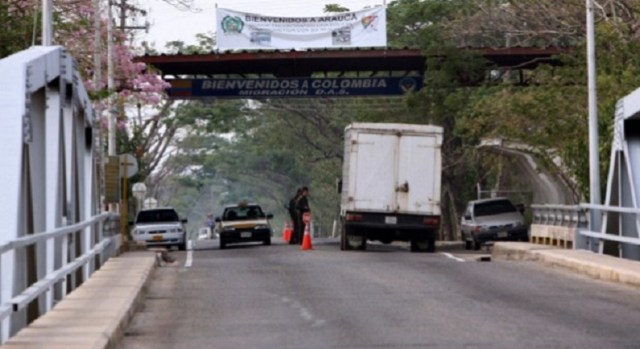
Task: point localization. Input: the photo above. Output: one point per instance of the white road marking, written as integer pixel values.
(449, 255)
(305, 313)
(189, 261)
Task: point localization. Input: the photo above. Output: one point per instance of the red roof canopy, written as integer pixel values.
(304, 63)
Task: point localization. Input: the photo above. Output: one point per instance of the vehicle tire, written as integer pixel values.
(182, 246)
(267, 242)
(426, 245)
(468, 245)
(363, 244)
(431, 245)
(223, 244)
(344, 240)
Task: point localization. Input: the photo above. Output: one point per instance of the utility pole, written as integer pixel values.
(47, 22)
(124, 7)
(110, 84)
(594, 160)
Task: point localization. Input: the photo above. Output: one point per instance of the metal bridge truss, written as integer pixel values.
(51, 235)
(623, 184)
(619, 234)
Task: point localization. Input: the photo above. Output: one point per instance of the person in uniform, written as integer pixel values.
(302, 207)
(294, 216)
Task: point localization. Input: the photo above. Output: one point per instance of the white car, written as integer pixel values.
(160, 227)
(243, 223)
(496, 219)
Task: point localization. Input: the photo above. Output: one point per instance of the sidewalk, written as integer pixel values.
(595, 265)
(96, 314)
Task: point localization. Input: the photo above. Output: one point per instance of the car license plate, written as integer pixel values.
(503, 234)
(391, 220)
(157, 237)
(245, 235)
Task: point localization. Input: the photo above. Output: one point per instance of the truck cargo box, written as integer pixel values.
(391, 182)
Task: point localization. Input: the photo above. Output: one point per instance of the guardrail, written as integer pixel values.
(585, 236)
(103, 227)
(557, 225)
(617, 236)
(559, 215)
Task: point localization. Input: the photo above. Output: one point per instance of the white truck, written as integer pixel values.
(390, 187)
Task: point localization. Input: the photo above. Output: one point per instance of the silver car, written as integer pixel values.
(496, 219)
(160, 227)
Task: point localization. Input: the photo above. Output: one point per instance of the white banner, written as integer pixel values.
(240, 30)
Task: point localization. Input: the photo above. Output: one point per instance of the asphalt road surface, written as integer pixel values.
(280, 297)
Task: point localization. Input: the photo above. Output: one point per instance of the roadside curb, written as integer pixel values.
(96, 314)
(583, 262)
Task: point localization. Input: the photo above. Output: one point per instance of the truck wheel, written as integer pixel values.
(422, 246)
(344, 240)
(363, 244)
(468, 244)
(431, 245)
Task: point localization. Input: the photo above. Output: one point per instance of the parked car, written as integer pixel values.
(496, 219)
(243, 223)
(160, 227)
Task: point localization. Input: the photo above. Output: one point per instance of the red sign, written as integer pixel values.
(306, 217)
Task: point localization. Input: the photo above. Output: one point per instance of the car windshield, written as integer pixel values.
(157, 216)
(494, 207)
(242, 213)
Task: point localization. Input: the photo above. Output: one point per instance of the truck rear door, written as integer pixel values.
(373, 172)
(418, 175)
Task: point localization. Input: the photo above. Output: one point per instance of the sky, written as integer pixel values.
(171, 24)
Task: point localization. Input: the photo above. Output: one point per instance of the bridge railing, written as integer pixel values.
(559, 215)
(556, 225)
(52, 226)
(611, 232)
(562, 223)
(59, 282)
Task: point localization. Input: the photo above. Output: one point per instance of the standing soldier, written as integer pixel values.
(302, 206)
(294, 216)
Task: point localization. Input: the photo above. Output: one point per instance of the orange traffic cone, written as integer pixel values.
(306, 240)
(286, 233)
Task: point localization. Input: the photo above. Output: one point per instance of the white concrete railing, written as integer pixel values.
(556, 225)
(57, 281)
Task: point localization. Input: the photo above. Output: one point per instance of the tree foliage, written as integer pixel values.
(278, 145)
(202, 154)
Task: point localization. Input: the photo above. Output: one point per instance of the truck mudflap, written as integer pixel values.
(420, 230)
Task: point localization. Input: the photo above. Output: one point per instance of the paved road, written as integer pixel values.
(280, 297)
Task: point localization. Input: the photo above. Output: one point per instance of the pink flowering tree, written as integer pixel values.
(136, 88)
(145, 117)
